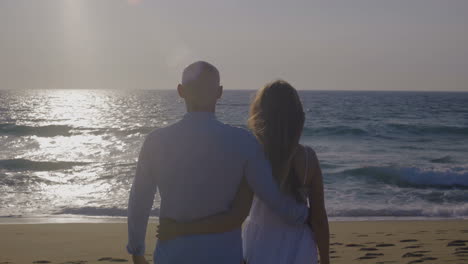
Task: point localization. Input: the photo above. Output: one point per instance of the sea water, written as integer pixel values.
(383, 154)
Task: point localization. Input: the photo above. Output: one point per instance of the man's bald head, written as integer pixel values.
(200, 86)
(200, 72)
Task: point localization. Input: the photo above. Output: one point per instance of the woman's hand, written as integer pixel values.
(169, 229)
(139, 260)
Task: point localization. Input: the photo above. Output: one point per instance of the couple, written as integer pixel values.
(207, 172)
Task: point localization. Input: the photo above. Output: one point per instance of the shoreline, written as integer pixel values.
(86, 219)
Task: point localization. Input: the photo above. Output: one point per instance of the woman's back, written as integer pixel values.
(261, 212)
(268, 238)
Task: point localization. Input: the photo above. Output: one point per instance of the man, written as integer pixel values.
(198, 164)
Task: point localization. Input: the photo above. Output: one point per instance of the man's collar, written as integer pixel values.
(200, 115)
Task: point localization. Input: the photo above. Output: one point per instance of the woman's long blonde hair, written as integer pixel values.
(277, 119)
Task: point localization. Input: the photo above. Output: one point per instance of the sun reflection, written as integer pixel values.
(77, 149)
(73, 148)
(82, 107)
(83, 125)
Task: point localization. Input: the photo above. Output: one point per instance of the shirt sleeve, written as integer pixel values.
(260, 179)
(141, 200)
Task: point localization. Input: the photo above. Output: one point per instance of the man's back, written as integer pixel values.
(197, 165)
(200, 165)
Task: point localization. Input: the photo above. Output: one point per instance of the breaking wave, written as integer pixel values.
(413, 177)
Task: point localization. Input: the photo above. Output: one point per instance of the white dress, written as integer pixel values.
(269, 239)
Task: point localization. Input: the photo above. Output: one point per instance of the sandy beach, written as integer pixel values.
(352, 242)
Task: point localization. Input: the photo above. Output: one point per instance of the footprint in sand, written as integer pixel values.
(354, 245)
(385, 245)
(366, 257)
(422, 260)
(368, 249)
(414, 246)
(412, 255)
(461, 253)
(457, 243)
(409, 240)
(374, 254)
(336, 244)
(113, 259)
(41, 261)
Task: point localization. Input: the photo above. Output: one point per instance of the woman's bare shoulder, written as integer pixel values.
(301, 154)
(299, 159)
(300, 164)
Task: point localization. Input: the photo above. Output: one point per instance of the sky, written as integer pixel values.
(315, 45)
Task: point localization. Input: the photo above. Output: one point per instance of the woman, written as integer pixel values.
(277, 120)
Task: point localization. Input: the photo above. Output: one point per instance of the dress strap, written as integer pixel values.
(306, 166)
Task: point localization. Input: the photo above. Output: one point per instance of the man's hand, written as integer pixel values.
(139, 260)
(168, 229)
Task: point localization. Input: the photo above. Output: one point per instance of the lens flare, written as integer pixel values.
(134, 2)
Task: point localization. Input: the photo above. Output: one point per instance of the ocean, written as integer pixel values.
(72, 153)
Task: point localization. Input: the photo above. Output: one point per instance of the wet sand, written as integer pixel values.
(352, 242)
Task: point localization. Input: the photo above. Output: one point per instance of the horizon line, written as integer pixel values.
(252, 90)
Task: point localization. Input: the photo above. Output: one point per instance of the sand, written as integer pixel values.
(352, 242)
(399, 242)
